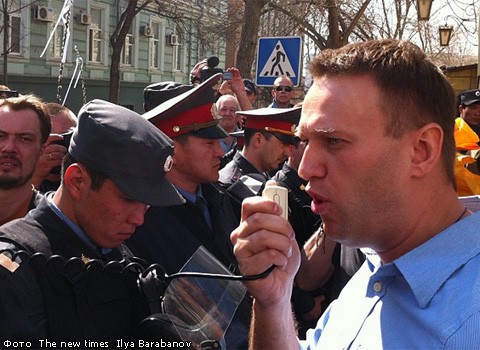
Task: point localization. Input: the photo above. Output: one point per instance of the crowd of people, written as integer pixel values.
(99, 211)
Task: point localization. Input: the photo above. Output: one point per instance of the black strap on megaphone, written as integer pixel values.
(168, 278)
(154, 281)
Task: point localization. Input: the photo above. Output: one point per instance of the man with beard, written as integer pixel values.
(24, 128)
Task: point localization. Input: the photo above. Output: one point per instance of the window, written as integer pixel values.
(15, 29)
(178, 55)
(95, 36)
(155, 47)
(127, 51)
(57, 42)
(17, 39)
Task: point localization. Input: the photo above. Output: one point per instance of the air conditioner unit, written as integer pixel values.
(84, 18)
(172, 39)
(146, 31)
(43, 13)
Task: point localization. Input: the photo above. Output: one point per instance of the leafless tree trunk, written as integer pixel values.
(117, 40)
(249, 37)
(6, 9)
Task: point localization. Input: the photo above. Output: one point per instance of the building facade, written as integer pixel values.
(163, 44)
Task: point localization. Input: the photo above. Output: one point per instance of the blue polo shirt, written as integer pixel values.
(74, 227)
(427, 299)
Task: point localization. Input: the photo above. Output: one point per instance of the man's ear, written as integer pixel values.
(258, 139)
(75, 179)
(427, 149)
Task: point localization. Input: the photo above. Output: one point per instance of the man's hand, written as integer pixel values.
(264, 239)
(51, 157)
(237, 87)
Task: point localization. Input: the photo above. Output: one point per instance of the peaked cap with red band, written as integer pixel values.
(280, 121)
(190, 112)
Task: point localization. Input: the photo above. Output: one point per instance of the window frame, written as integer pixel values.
(159, 49)
(23, 10)
(102, 39)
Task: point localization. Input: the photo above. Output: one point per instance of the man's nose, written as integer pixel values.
(137, 214)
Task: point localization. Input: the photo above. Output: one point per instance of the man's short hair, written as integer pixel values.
(249, 133)
(414, 92)
(97, 179)
(225, 97)
(56, 108)
(35, 104)
(280, 78)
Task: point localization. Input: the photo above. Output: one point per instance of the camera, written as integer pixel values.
(210, 70)
(67, 136)
(8, 93)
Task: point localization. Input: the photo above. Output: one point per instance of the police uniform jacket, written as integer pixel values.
(236, 189)
(171, 235)
(235, 169)
(301, 217)
(50, 296)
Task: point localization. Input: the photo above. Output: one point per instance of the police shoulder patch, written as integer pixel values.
(8, 263)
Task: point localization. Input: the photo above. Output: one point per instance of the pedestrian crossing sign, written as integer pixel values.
(277, 56)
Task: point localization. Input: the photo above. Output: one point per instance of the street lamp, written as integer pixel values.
(423, 9)
(445, 34)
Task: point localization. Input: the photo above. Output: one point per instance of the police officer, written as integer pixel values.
(115, 168)
(172, 234)
(269, 135)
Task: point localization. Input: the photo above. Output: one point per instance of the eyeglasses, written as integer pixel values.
(282, 87)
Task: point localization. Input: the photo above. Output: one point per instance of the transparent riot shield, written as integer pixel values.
(200, 308)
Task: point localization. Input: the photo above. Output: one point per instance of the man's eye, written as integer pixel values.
(26, 139)
(333, 141)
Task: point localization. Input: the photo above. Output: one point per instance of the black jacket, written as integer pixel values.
(235, 169)
(52, 297)
(236, 189)
(171, 235)
(301, 217)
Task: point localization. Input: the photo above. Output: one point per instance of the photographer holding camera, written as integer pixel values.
(47, 172)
